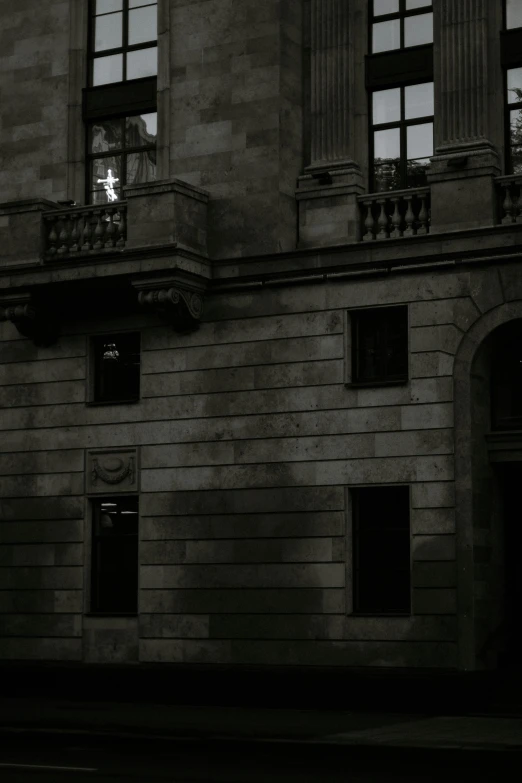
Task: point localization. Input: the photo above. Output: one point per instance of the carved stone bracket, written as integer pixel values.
(30, 320)
(112, 470)
(177, 300)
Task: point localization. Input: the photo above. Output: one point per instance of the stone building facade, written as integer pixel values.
(259, 401)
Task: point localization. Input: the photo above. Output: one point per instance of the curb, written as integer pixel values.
(354, 745)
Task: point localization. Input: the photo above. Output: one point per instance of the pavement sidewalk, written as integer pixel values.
(238, 724)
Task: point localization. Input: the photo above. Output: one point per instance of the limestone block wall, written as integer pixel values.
(34, 64)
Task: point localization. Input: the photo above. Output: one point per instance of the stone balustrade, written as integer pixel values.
(83, 229)
(509, 191)
(395, 214)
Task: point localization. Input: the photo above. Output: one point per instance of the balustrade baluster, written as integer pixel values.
(423, 215)
(75, 234)
(98, 231)
(87, 231)
(122, 229)
(516, 203)
(409, 218)
(369, 223)
(396, 219)
(382, 221)
(110, 228)
(507, 206)
(52, 237)
(64, 237)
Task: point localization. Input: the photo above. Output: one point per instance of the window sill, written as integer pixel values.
(99, 403)
(369, 384)
(110, 614)
(379, 614)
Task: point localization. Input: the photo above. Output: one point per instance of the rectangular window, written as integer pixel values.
(121, 151)
(381, 550)
(379, 345)
(114, 567)
(514, 120)
(402, 136)
(123, 40)
(400, 24)
(513, 14)
(116, 367)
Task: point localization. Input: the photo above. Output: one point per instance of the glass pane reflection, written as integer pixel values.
(107, 6)
(514, 85)
(141, 130)
(105, 135)
(387, 144)
(513, 14)
(386, 36)
(515, 124)
(106, 174)
(418, 100)
(386, 106)
(387, 175)
(142, 25)
(108, 32)
(419, 141)
(141, 167)
(134, 3)
(381, 7)
(411, 4)
(418, 30)
(143, 62)
(107, 69)
(417, 171)
(516, 160)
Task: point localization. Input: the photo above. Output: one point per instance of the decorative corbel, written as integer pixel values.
(29, 319)
(178, 300)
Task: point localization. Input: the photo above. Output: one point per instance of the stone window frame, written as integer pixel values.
(401, 15)
(91, 369)
(350, 376)
(351, 505)
(78, 79)
(94, 505)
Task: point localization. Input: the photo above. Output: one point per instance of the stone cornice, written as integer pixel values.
(30, 320)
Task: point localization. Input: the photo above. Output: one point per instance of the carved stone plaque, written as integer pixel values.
(111, 470)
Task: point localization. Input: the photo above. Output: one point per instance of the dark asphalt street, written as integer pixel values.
(106, 759)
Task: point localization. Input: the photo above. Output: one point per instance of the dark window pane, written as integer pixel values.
(142, 63)
(514, 85)
(387, 175)
(381, 507)
(412, 4)
(141, 167)
(418, 30)
(516, 160)
(417, 172)
(143, 25)
(107, 6)
(107, 70)
(515, 126)
(513, 14)
(115, 555)
(106, 173)
(386, 106)
(141, 130)
(506, 375)
(381, 7)
(418, 100)
(116, 367)
(105, 135)
(380, 342)
(108, 32)
(383, 592)
(386, 36)
(419, 141)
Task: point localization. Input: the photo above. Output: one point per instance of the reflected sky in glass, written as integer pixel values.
(514, 83)
(418, 100)
(387, 144)
(108, 32)
(107, 70)
(143, 25)
(143, 62)
(419, 140)
(386, 36)
(381, 7)
(513, 14)
(107, 6)
(386, 106)
(418, 29)
(412, 4)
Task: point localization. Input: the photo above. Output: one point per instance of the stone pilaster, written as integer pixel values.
(327, 193)
(467, 87)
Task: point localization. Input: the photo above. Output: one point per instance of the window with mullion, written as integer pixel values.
(123, 40)
(400, 24)
(401, 136)
(513, 121)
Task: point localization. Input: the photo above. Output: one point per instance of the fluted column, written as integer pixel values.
(330, 82)
(468, 112)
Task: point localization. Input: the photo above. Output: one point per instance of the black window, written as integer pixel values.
(123, 40)
(400, 24)
(506, 377)
(514, 120)
(116, 364)
(402, 136)
(380, 345)
(381, 548)
(114, 583)
(121, 151)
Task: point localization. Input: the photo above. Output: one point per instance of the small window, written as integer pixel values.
(381, 550)
(116, 366)
(400, 24)
(114, 583)
(379, 345)
(402, 136)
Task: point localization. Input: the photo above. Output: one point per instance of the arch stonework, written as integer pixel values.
(469, 346)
